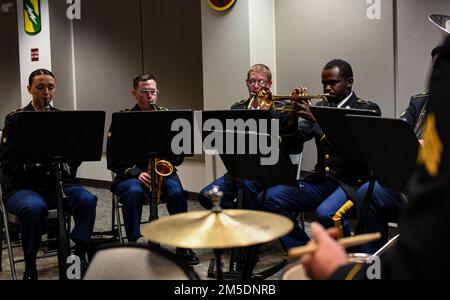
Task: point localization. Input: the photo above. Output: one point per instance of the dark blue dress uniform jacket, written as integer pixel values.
(131, 169)
(349, 173)
(39, 178)
(416, 112)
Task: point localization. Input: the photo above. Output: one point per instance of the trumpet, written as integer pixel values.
(163, 168)
(267, 100)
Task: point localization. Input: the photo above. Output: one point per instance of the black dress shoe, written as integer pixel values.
(84, 267)
(189, 256)
(30, 274)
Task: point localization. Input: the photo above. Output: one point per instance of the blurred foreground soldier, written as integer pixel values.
(421, 251)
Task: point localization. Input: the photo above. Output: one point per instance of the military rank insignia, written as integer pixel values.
(221, 5)
(32, 16)
(430, 154)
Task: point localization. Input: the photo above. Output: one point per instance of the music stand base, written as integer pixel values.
(226, 275)
(238, 275)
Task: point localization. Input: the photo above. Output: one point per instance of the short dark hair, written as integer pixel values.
(436, 51)
(143, 77)
(37, 73)
(344, 67)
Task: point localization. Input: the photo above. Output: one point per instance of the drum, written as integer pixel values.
(296, 271)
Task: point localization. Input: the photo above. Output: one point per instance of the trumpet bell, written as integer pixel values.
(441, 21)
(264, 97)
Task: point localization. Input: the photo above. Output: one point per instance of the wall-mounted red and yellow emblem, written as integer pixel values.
(221, 5)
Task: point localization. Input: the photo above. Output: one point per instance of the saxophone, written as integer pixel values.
(163, 168)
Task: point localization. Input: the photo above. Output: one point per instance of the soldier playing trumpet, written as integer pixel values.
(334, 180)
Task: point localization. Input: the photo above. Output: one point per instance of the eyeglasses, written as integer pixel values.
(260, 82)
(148, 92)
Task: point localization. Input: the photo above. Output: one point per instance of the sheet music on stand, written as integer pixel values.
(244, 162)
(390, 148)
(331, 121)
(70, 135)
(136, 136)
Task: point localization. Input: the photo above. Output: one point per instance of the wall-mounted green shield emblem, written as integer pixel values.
(32, 16)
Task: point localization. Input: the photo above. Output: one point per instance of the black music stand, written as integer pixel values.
(249, 167)
(145, 136)
(235, 268)
(390, 148)
(332, 122)
(391, 152)
(55, 138)
(244, 115)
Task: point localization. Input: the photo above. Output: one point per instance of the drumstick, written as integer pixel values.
(351, 241)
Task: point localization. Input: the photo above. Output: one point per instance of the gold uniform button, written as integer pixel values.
(327, 169)
(327, 156)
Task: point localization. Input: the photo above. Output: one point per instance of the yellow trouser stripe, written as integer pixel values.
(353, 272)
(338, 216)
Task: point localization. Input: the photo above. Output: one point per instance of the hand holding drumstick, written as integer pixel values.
(327, 254)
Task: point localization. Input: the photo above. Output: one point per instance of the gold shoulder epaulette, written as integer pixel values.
(420, 95)
(362, 101)
(16, 111)
(240, 102)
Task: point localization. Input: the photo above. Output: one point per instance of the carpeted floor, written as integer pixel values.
(270, 254)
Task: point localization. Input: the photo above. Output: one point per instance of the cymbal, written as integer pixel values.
(216, 230)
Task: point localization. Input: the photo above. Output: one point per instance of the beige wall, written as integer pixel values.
(172, 47)
(416, 38)
(201, 56)
(111, 49)
(61, 43)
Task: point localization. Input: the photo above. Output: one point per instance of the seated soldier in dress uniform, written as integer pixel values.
(334, 180)
(258, 76)
(30, 190)
(132, 181)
